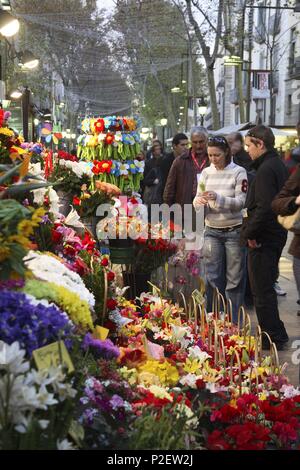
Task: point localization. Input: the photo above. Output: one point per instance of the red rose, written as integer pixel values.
(56, 236)
(104, 262)
(111, 304)
(76, 201)
(110, 276)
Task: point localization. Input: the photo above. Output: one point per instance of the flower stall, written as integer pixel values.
(84, 367)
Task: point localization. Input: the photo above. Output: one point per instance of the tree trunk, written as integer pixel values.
(213, 97)
(240, 93)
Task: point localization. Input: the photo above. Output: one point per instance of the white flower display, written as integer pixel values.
(196, 353)
(189, 380)
(78, 168)
(289, 391)
(73, 219)
(64, 445)
(24, 390)
(48, 268)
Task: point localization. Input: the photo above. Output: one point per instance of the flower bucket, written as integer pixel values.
(138, 283)
(65, 200)
(120, 243)
(121, 255)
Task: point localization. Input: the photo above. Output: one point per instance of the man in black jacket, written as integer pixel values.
(262, 233)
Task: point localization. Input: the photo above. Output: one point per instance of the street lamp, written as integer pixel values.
(16, 94)
(163, 122)
(202, 106)
(9, 25)
(176, 89)
(27, 60)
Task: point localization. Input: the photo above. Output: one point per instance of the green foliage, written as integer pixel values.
(156, 43)
(163, 430)
(94, 281)
(66, 180)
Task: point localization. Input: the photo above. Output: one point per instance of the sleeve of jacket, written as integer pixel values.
(150, 177)
(284, 202)
(170, 188)
(266, 188)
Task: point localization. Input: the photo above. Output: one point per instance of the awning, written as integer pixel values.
(276, 132)
(233, 128)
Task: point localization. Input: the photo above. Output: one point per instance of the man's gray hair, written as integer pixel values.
(199, 130)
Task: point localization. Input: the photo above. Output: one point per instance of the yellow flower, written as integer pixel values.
(160, 392)
(37, 216)
(77, 309)
(20, 239)
(164, 372)
(192, 366)
(148, 378)
(6, 131)
(4, 253)
(25, 227)
(130, 375)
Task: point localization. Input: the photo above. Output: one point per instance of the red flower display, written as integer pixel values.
(109, 139)
(99, 126)
(103, 166)
(111, 276)
(111, 304)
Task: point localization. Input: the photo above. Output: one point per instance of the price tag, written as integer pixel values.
(100, 332)
(55, 354)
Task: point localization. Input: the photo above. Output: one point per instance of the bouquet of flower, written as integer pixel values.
(155, 250)
(107, 412)
(89, 200)
(17, 224)
(71, 175)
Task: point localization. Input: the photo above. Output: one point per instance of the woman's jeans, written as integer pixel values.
(225, 262)
(296, 269)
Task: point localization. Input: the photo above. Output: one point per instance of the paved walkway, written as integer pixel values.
(288, 313)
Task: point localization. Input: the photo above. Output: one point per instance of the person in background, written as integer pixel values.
(292, 159)
(180, 145)
(152, 177)
(182, 181)
(141, 156)
(222, 189)
(240, 156)
(261, 232)
(155, 143)
(287, 202)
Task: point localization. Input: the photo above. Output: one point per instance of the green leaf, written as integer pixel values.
(10, 173)
(23, 187)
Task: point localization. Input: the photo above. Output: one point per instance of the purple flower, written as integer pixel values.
(105, 349)
(116, 402)
(33, 326)
(12, 284)
(45, 219)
